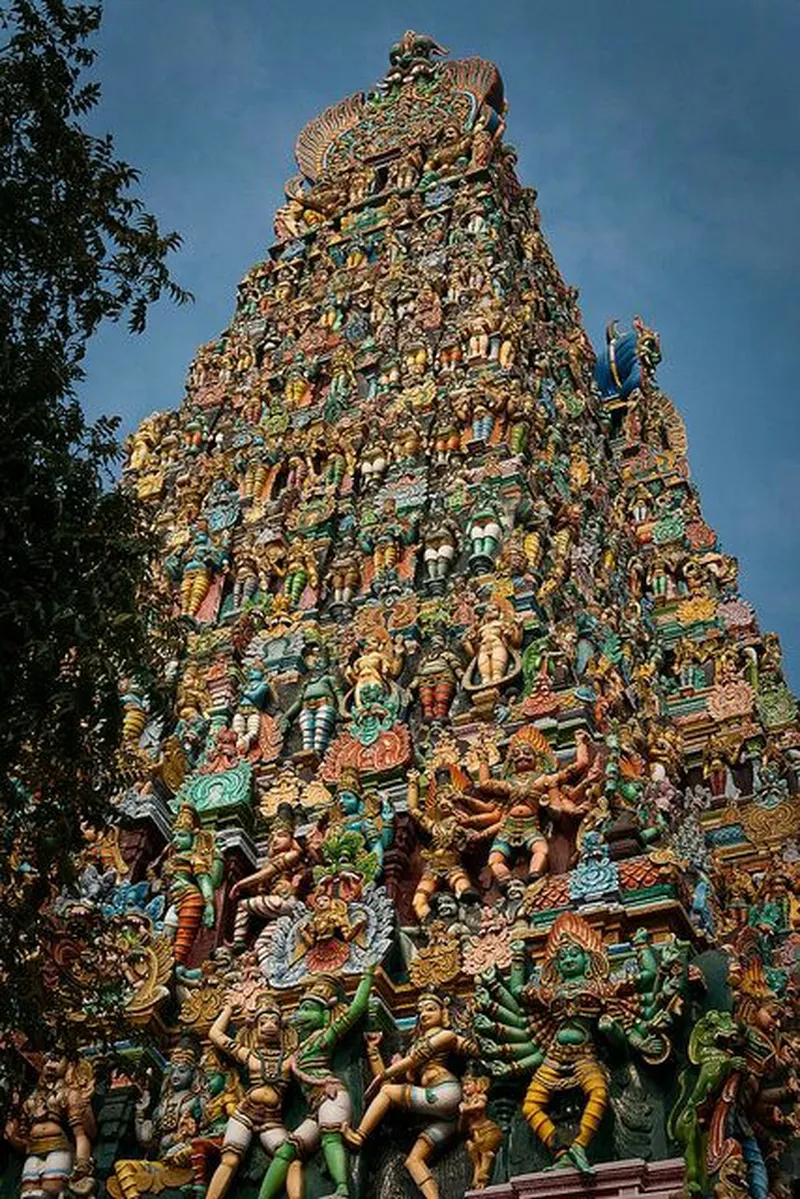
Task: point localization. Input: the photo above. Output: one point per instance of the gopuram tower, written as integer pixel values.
(466, 857)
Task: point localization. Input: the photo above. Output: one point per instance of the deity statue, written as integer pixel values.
(438, 672)
(300, 571)
(452, 153)
(134, 712)
(248, 721)
(553, 1027)
(194, 870)
(369, 815)
(221, 1096)
(444, 817)
(405, 170)
(426, 1087)
(484, 1136)
(318, 702)
(440, 540)
(254, 572)
(261, 1049)
(485, 533)
(321, 1020)
(494, 645)
(345, 575)
(534, 791)
(194, 568)
(55, 1129)
(167, 1129)
(275, 884)
(386, 541)
(375, 669)
(374, 459)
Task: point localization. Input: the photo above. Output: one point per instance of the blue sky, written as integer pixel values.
(662, 138)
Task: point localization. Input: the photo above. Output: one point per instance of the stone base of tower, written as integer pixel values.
(632, 1179)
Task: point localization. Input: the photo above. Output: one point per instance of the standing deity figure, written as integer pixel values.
(552, 1027)
(374, 460)
(248, 578)
(193, 869)
(54, 1127)
(523, 416)
(484, 1137)
(345, 574)
(298, 391)
(167, 1131)
(321, 1020)
(479, 411)
(438, 672)
(194, 567)
(386, 541)
(440, 541)
(260, 1049)
(429, 307)
(482, 327)
(374, 671)
(494, 645)
(534, 792)
(485, 533)
(134, 712)
(335, 458)
(255, 696)
(511, 327)
(370, 815)
(343, 386)
(449, 827)
(420, 1082)
(446, 438)
(318, 702)
(273, 887)
(449, 354)
(300, 571)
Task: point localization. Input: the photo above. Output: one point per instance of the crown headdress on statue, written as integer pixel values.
(534, 741)
(443, 1001)
(185, 1053)
(187, 817)
(571, 929)
(326, 990)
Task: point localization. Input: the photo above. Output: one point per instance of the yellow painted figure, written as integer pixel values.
(551, 1027)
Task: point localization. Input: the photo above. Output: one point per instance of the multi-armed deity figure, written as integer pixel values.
(553, 1029)
(529, 800)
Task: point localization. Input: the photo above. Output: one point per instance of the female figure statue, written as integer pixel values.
(425, 1085)
(495, 649)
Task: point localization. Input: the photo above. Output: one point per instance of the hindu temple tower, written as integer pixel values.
(466, 854)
